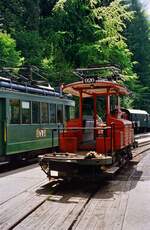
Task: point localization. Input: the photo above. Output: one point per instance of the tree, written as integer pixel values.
(60, 35)
(31, 15)
(9, 56)
(12, 11)
(25, 14)
(31, 45)
(87, 32)
(137, 34)
(46, 7)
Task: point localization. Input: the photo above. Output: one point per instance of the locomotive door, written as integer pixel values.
(2, 126)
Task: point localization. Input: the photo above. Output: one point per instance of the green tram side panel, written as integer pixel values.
(22, 138)
(2, 125)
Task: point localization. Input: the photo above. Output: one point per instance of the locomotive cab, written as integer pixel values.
(89, 143)
(89, 132)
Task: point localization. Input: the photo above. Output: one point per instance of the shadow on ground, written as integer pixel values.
(63, 191)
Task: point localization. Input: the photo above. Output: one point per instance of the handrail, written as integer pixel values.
(77, 128)
(112, 136)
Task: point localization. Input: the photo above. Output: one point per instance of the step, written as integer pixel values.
(112, 170)
(4, 163)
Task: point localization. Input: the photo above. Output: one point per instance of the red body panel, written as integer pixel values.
(118, 138)
(103, 145)
(123, 132)
(68, 144)
(70, 139)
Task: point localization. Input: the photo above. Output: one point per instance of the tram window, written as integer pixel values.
(101, 107)
(14, 111)
(88, 106)
(113, 104)
(44, 112)
(60, 113)
(69, 112)
(52, 113)
(26, 112)
(72, 112)
(35, 112)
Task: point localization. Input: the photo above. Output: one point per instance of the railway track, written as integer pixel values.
(73, 205)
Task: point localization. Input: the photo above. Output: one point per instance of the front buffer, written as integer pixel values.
(68, 165)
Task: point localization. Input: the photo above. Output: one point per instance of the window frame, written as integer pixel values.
(39, 117)
(41, 112)
(62, 113)
(21, 113)
(10, 112)
(54, 104)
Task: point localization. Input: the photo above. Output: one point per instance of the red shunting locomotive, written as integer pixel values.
(88, 146)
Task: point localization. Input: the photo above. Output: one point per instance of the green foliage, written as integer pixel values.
(31, 45)
(127, 102)
(31, 15)
(12, 11)
(58, 69)
(137, 34)
(86, 33)
(46, 6)
(8, 54)
(20, 14)
(138, 41)
(60, 35)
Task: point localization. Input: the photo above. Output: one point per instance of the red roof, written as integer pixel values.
(96, 88)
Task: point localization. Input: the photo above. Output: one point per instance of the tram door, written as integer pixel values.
(2, 126)
(88, 121)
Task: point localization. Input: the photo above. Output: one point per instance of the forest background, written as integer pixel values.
(58, 36)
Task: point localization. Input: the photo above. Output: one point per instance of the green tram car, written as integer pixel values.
(29, 119)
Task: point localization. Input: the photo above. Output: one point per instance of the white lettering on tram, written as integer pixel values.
(40, 133)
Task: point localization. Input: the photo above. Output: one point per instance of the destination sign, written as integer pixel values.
(89, 80)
